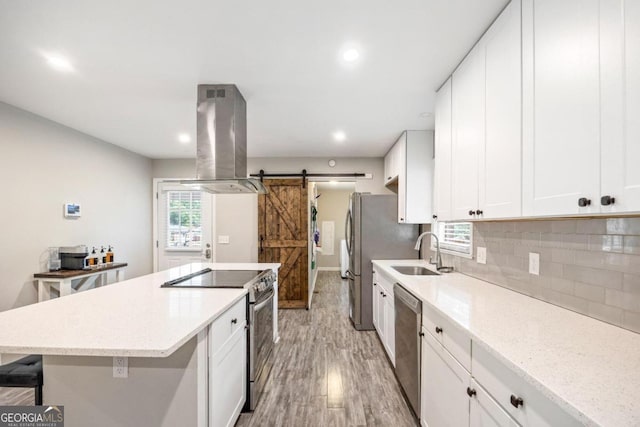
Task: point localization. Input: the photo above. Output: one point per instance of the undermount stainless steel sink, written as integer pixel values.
(413, 270)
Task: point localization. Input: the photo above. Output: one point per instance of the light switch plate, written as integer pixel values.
(481, 255)
(534, 263)
(223, 240)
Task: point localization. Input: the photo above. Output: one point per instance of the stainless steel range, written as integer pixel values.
(259, 318)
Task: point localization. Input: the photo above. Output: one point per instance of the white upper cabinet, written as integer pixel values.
(409, 172)
(561, 114)
(479, 128)
(620, 105)
(394, 162)
(468, 107)
(500, 185)
(442, 184)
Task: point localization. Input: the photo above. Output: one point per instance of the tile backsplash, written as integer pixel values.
(591, 266)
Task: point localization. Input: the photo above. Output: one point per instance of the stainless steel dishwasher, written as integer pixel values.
(408, 311)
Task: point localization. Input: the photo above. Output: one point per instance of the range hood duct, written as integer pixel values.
(221, 159)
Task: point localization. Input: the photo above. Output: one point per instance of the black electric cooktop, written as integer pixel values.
(208, 278)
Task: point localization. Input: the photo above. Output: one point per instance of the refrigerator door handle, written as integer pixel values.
(350, 275)
(347, 232)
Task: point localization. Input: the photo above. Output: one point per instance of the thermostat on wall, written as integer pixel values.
(72, 210)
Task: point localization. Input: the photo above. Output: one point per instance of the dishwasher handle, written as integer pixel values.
(401, 294)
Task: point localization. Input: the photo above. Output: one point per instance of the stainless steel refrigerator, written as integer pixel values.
(372, 232)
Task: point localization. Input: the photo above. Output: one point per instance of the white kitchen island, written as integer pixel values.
(165, 336)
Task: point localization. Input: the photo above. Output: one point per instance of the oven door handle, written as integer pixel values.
(264, 301)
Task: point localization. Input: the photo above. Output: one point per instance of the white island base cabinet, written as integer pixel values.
(201, 384)
(228, 366)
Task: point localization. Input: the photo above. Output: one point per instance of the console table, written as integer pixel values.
(63, 279)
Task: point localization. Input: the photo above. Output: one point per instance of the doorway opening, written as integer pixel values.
(328, 207)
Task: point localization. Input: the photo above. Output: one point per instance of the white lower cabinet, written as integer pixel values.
(443, 397)
(384, 314)
(228, 366)
(462, 384)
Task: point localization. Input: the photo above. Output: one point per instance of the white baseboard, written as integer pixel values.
(328, 268)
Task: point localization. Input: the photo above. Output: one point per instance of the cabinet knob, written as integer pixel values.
(472, 212)
(234, 321)
(435, 216)
(607, 200)
(471, 392)
(384, 295)
(401, 219)
(421, 333)
(583, 201)
(438, 330)
(516, 401)
(479, 212)
(381, 293)
(388, 178)
(375, 284)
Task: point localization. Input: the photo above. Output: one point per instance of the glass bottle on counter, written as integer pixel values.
(110, 255)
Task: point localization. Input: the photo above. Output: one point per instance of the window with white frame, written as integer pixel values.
(184, 214)
(455, 238)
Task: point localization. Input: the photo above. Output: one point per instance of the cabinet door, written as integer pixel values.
(468, 105)
(500, 184)
(485, 412)
(390, 324)
(379, 307)
(417, 190)
(443, 147)
(374, 299)
(400, 167)
(620, 98)
(444, 400)
(387, 166)
(227, 384)
(561, 99)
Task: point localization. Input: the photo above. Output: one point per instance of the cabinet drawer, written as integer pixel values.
(485, 412)
(383, 284)
(225, 325)
(449, 335)
(505, 386)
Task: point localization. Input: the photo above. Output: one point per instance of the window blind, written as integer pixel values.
(456, 237)
(184, 214)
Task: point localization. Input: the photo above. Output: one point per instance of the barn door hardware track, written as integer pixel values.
(304, 175)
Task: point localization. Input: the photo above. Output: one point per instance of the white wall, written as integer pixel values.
(43, 165)
(237, 215)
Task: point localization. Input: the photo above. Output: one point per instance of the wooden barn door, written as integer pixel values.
(282, 229)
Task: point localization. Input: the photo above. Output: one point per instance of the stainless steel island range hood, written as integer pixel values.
(221, 158)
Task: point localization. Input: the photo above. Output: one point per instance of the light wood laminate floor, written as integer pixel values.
(326, 373)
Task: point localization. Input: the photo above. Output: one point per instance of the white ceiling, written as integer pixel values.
(137, 64)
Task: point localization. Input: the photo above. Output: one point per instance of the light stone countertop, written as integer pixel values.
(135, 318)
(588, 367)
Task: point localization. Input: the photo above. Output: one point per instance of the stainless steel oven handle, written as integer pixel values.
(264, 301)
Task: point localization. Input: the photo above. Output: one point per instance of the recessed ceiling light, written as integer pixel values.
(339, 136)
(184, 138)
(426, 115)
(59, 63)
(350, 55)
